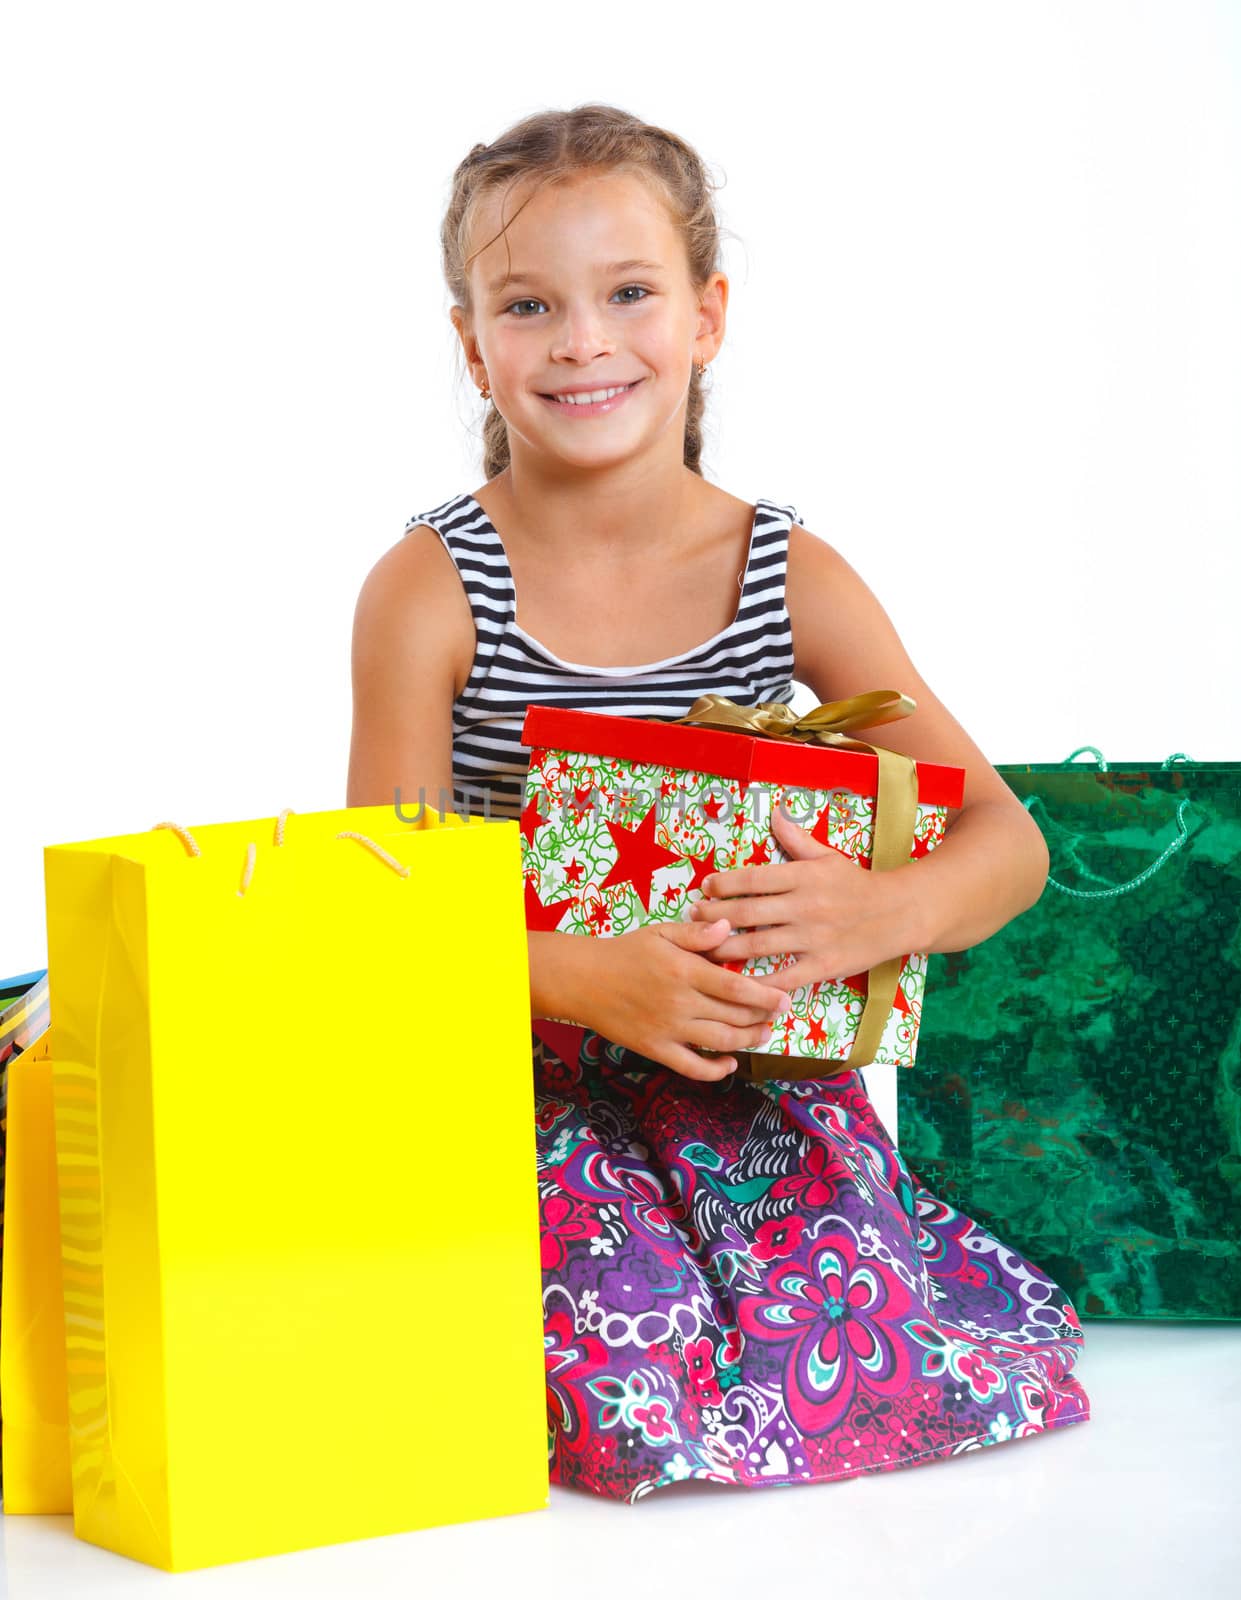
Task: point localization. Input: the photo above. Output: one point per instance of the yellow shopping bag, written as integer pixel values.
(33, 1384)
(299, 1213)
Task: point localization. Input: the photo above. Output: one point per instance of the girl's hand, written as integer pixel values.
(836, 917)
(655, 994)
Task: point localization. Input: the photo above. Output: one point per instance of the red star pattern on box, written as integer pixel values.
(614, 859)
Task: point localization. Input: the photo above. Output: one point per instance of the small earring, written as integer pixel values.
(485, 390)
(702, 367)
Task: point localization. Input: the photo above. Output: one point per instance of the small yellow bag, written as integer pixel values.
(33, 1384)
(299, 1212)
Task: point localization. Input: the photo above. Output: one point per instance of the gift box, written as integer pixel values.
(294, 1314)
(624, 817)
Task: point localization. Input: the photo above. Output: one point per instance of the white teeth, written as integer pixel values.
(592, 398)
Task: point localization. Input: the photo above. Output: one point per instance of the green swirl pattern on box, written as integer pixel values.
(1078, 1084)
(618, 843)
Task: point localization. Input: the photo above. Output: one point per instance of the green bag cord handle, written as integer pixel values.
(1112, 889)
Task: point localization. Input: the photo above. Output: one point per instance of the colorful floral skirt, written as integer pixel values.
(745, 1283)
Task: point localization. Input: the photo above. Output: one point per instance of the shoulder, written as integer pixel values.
(412, 605)
(845, 643)
(841, 633)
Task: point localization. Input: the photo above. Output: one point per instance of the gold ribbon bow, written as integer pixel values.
(896, 808)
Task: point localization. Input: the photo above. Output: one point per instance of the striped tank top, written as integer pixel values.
(749, 661)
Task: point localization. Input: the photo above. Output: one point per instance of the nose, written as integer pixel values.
(582, 337)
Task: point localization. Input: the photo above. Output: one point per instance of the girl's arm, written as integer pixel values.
(992, 863)
(406, 645)
(412, 632)
(561, 975)
(987, 869)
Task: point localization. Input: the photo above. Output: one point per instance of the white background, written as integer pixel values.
(984, 332)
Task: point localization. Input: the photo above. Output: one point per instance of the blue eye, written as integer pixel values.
(643, 292)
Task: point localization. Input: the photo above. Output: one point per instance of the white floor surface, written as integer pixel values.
(1142, 1500)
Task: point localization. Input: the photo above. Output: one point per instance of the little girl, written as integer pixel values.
(742, 1280)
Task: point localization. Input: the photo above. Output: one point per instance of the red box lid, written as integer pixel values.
(749, 758)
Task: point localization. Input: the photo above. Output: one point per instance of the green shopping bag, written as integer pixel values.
(1078, 1087)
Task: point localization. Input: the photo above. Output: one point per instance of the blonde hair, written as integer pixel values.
(553, 146)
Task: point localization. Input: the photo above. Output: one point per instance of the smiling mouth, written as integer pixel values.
(619, 390)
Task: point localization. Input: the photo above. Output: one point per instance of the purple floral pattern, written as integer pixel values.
(743, 1282)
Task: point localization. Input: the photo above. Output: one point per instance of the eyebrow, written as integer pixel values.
(497, 284)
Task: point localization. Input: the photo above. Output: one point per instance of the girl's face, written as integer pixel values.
(577, 311)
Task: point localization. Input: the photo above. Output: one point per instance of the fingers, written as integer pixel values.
(741, 911)
(731, 1012)
(746, 941)
(750, 943)
(742, 1000)
(726, 1036)
(695, 935)
(707, 1069)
